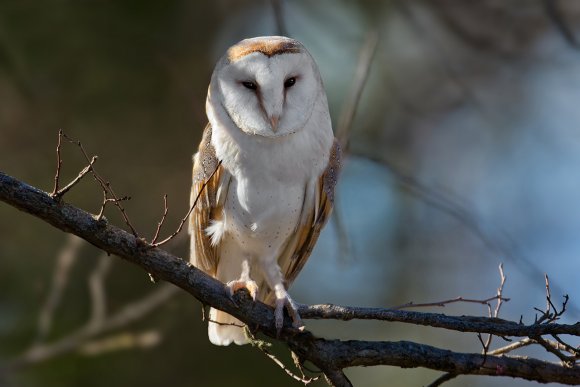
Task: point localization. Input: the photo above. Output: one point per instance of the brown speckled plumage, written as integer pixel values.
(209, 206)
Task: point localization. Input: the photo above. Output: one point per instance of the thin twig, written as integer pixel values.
(81, 174)
(512, 347)
(567, 347)
(500, 299)
(170, 237)
(160, 224)
(106, 186)
(361, 74)
(344, 127)
(224, 323)
(263, 345)
(554, 349)
(58, 164)
(548, 294)
(109, 200)
(443, 303)
(442, 379)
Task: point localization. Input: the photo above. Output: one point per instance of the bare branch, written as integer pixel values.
(330, 356)
(412, 304)
(97, 290)
(496, 326)
(361, 74)
(64, 261)
(566, 347)
(121, 341)
(512, 347)
(548, 295)
(335, 377)
(554, 348)
(130, 313)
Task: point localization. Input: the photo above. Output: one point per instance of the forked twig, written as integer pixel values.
(498, 305)
(110, 195)
(81, 174)
(170, 237)
(554, 348)
(499, 299)
(160, 224)
(263, 345)
(109, 200)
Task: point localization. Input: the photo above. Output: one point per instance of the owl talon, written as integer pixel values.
(249, 285)
(292, 311)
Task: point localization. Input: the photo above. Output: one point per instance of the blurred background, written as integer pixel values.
(464, 152)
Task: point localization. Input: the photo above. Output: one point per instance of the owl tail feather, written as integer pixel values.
(222, 332)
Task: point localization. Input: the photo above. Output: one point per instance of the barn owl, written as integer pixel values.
(269, 162)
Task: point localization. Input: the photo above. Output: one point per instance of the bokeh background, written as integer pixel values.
(464, 153)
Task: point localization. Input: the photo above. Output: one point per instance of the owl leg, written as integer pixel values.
(274, 278)
(283, 300)
(244, 282)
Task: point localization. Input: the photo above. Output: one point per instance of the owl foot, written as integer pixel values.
(249, 285)
(292, 311)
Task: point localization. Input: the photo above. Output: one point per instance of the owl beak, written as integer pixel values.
(274, 122)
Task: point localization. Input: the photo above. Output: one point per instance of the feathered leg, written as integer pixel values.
(273, 276)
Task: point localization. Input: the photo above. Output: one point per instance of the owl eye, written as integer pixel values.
(249, 85)
(289, 82)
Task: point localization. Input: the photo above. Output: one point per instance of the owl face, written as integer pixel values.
(267, 86)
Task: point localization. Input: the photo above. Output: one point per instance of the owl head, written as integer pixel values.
(266, 86)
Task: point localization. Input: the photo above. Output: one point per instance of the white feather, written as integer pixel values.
(216, 231)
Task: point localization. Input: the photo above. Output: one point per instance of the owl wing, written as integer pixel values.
(212, 180)
(317, 207)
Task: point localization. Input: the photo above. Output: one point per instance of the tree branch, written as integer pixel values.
(331, 356)
(492, 325)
